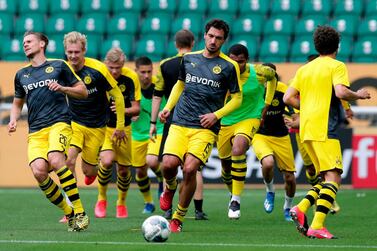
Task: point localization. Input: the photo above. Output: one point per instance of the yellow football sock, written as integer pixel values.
(238, 172)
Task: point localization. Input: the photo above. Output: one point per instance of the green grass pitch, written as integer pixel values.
(29, 222)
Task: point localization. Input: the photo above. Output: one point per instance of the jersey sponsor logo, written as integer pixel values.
(39, 84)
(49, 69)
(216, 69)
(122, 88)
(201, 80)
(271, 113)
(87, 80)
(92, 90)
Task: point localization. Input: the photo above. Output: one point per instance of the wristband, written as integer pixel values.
(153, 122)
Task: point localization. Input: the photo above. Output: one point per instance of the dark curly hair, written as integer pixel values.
(218, 24)
(326, 40)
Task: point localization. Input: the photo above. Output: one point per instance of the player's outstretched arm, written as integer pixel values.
(342, 92)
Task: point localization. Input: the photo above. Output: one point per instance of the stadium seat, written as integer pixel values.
(128, 6)
(229, 18)
(55, 48)
(307, 25)
(93, 45)
(64, 7)
(301, 49)
(200, 44)
(365, 51)
(151, 46)
(228, 7)
(192, 6)
(367, 27)
(32, 6)
(156, 24)
(6, 23)
(344, 7)
(171, 50)
(251, 25)
(162, 6)
(12, 50)
(281, 25)
(251, 7)
(9, 6)
(317, 7)
(123, 23)
(125, 42)
(95, 6)
(345, 50)
(282, 7)
(192, 22)
(246, 40)
(346, 25)
(60, 23)
(92, 24)
(29, 22)
(274, 50)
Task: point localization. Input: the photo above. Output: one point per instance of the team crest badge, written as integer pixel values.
(87, 80)
(122, 88)
(49, 69)
(216, 69)
(275, 102)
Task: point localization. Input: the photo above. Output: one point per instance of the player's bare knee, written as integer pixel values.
(268, 163)
(40, 174)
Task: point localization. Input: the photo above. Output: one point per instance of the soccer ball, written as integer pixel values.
(155, 228)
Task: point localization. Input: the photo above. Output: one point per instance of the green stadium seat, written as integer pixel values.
(93, 45)
(317, 7)
(367, 27)
(301, 49)
(33, 6)
(282, 7)
(8, 6)
(128, 6)
(228, 18)
(60, 23)
(12, 50)
(200, 44)
(29, 22)
(344, 7)
(192, 6)
(365, 51)
(251, 7)
(55, 48)
(228, 7)
(156, 24)
(192, 22)
(281, 25)
(274, 50)
(346, 25)
(125, 42)
(95, 6)
(246, 40)
(152, 47)
(171, 50)
(251, 25)
(307, 25)
(371, 8)
(123, 23)
(6, 23)
(64, 7)
(345, 50)
(92, 24)
(162, 6)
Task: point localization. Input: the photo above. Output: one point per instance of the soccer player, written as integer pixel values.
(145, 151)
(89, 116)
(128, 83)
(45, 84)
(238, 127)
(321, 84)
(205, 78)
(167, 76)
(272, 144)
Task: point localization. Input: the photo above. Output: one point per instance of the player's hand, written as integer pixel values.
(164, 115)
(55, 87)
(119, 137)
(208, 120)
(153, 133)
(349, 113)
(263, 116)
(135, 118)
(113, 107)
(363, 94)
(12, 126)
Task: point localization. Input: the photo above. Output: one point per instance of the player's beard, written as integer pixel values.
(211, 51)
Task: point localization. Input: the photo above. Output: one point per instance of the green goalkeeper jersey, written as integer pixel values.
(252, 101)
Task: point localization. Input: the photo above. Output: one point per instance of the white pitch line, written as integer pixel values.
(189, 244)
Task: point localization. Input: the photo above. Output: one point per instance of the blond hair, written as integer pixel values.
(115, 55)
(74, 37)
